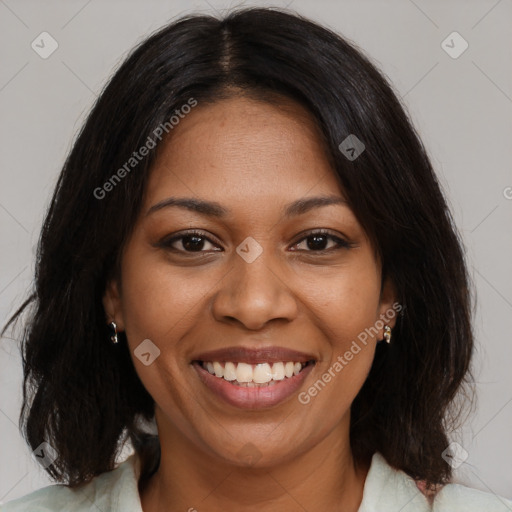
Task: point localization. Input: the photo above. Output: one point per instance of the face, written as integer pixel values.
(254, 273)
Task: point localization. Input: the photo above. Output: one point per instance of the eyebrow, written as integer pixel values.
(214, 209)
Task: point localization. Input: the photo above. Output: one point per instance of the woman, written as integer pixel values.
(248, 246)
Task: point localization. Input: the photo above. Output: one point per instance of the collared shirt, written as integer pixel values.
(385, 490)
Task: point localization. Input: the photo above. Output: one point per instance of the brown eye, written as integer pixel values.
(187, 242)
(319, 240)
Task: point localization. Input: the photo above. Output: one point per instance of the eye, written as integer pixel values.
(317, 241)
(195, 242)
(192, 241)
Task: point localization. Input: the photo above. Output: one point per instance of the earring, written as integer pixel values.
(387, 334)
(113, 328)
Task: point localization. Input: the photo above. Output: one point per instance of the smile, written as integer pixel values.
(251, 375)
(252, 386)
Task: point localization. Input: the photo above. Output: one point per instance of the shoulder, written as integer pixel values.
(113, 491)
(388, 490)
(459, 498)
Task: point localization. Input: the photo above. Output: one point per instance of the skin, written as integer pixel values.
(253, 158)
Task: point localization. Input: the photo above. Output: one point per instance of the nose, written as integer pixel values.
(255, 293)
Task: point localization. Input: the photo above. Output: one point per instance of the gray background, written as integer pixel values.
(461, 107)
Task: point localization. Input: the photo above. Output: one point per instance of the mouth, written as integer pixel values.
(253, 386)
(254, 375)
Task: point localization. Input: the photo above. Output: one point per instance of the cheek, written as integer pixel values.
(347, 302)
(349, 308)
(158, 299)
(159, 303)
(340, 376)
(353, 314)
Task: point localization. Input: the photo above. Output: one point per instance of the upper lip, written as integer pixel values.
(254, 355)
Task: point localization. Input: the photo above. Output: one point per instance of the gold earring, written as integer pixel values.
(387, 334)
(113, 328)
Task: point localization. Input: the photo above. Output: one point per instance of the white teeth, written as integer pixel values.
(278, 371)
(262, 373)
(243, 372)
(230, 371)
(217, 368)
(252, 375)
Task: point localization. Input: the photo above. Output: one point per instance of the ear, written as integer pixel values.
(389, 308)
(112, 304)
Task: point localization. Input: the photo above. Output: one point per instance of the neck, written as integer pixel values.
(322, 479)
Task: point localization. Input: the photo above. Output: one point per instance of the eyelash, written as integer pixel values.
(341, 244)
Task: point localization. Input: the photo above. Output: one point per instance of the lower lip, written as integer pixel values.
(255, 397)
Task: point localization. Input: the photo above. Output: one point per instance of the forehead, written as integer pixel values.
(243, 149)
